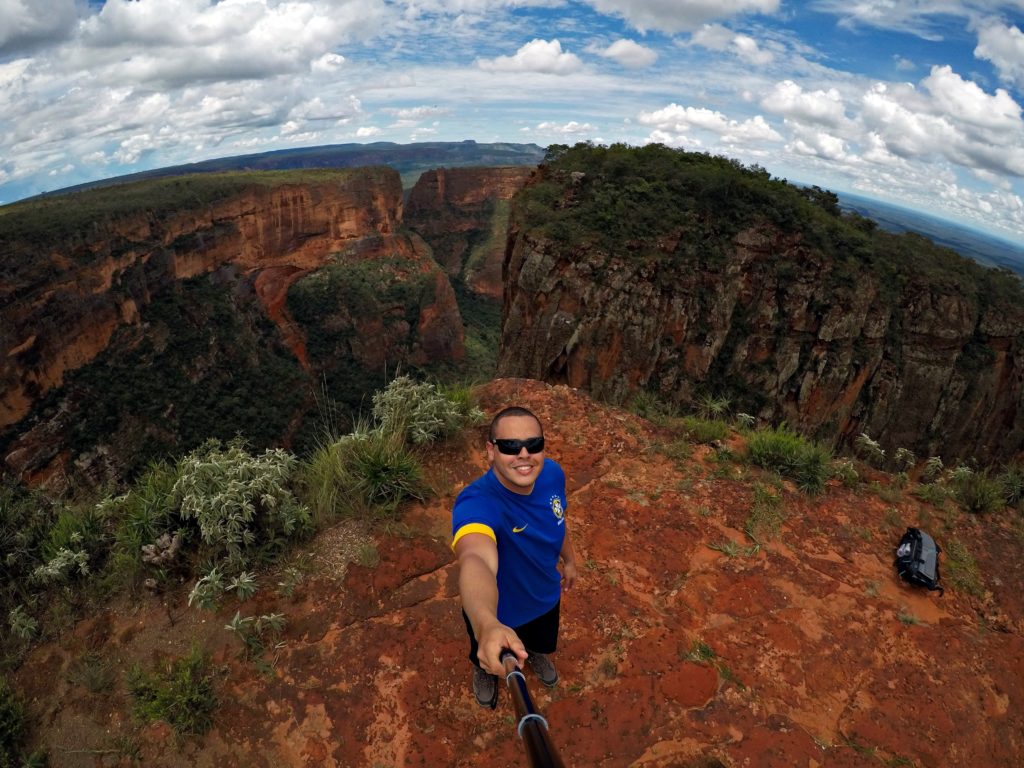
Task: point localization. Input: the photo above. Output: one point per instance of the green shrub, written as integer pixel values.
(932, 469)
(1012, 481)
(256, 633)
(12, 726)
(705, 430)
(977, 492)
(869, 450)
(745, 421)
(677, 450)
(766, 515)
(93, 672)
(648, 405)
(904, 459)
(464, 402)
(381, 472)
(711, 407)
(323, 480)
(26, 519)
(76, 545)
(141, 516)
(180, 693)
(961, 569)
(845, 471)
(420, 413)
(23, 626)
(804, 462)
(933, 493)
(243, 505)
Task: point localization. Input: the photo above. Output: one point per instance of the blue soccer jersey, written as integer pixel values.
(529, 531)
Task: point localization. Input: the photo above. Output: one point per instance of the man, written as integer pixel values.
(510, 536)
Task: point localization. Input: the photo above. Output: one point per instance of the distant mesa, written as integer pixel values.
(408, 159)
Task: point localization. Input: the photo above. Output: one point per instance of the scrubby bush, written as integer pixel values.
(711, 407)
(804, 462)
(904, 459)
(977, 492)
(845, 472)
(382, 472)
(420, 413)
(368, 473)
(961, 571)
(75, 547)
(648, 405)
(12, 726)
(745, 420)
(180, 693)
(1012, 481)
(705, 430)
(869, 450)
(932, 469)
(242, 504)
(766, 514)
(142, 516)
(933, 493)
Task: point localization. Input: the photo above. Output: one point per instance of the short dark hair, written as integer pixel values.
(512, 410)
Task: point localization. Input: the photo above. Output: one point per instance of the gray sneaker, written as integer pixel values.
(543, 668)
(485, 688)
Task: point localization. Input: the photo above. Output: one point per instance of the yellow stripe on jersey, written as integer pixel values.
(474, 528)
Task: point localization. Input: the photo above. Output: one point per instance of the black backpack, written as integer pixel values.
(917, 560)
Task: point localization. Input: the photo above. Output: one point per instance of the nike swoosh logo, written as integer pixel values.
(516, 529)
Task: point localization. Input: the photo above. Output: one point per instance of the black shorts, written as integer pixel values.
(539, 635)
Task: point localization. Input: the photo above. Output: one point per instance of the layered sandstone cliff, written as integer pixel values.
(922, 361)
(463, 214)
(88, 294)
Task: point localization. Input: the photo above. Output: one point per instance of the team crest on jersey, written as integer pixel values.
(557, 509)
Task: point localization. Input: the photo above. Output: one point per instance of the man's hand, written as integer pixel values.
(492, 640)
(569, 574)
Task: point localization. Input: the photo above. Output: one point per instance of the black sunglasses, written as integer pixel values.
(513, 447)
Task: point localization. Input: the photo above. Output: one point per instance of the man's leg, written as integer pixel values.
(485, 686)
(540, 636)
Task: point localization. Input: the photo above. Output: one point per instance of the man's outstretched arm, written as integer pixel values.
(478, 587)
(567, 559)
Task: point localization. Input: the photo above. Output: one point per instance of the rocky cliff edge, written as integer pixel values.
(682, 645)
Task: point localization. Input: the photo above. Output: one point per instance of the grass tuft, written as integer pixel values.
(805, 462)
(180, 693)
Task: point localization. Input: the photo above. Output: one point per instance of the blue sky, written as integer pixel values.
(912, 102)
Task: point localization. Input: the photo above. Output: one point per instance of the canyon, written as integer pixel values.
(930, 359)
(381, 302)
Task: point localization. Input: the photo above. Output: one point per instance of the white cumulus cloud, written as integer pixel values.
(544, 56)
(416, 113)
(572, 128)
(630, 54)
(715, 37)
(329, 62)
(174, 42)
(27, 23)
(673, 16)
(817, 143)
(676, 119)
(790, 100)
(965, 101)
(1004, 47)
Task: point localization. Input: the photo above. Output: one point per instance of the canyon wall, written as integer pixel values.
(922, 361)
(93, 298)
(463, 214)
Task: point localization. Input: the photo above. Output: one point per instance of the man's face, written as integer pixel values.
(518, 473)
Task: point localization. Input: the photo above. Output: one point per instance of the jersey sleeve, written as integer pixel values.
(474, 513)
